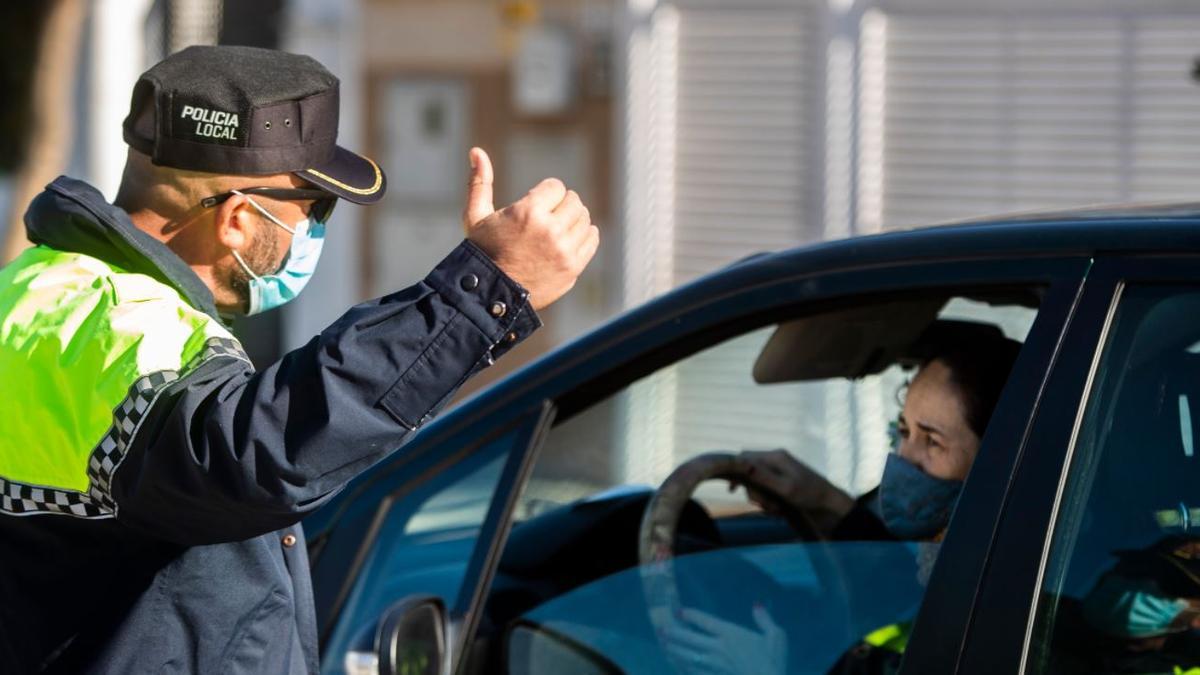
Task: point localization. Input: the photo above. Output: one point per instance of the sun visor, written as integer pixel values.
(849, 343)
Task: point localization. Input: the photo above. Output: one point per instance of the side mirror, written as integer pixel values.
(411, 638)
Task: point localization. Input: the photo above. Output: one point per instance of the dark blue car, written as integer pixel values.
(504, 538)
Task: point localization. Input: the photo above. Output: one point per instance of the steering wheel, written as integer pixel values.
(656, 537)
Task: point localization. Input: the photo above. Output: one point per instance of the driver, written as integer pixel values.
(947, 406)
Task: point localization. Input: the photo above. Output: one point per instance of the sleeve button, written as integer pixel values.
(469, 282)
(289, 540)
(511, 337)
(499, 309)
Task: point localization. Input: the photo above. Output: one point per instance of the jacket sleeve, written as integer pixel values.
(226, 453)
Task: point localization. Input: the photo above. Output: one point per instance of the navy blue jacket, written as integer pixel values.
(204, 568)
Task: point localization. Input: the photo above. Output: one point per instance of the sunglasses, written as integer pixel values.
(321, 210)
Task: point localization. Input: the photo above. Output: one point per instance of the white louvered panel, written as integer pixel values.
(1165, 157)
(943, 118)
(988, 114)
(744, 77)
(1066, 113)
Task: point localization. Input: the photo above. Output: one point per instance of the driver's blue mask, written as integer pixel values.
(913, 504)
(269, 291)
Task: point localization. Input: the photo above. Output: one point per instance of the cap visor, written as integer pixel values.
(349, 176)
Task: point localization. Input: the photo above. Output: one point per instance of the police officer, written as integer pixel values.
(151, 481)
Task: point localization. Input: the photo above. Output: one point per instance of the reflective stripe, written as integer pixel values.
(1181, 516)
(893, 637)
(85, 348)
(350, 188)
(22, 499)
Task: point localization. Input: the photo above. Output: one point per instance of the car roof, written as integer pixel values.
(1123, 228)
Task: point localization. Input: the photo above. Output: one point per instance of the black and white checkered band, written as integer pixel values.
(24, 499)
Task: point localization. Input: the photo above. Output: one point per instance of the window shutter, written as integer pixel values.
(746, 85)
(988, 114)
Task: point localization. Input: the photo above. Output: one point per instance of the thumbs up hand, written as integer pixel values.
(543, 241)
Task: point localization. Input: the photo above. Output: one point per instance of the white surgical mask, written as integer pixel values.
(269, 291)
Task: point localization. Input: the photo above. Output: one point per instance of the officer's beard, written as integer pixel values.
(260, 257)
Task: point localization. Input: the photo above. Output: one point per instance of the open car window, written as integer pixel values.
(745, 394)
(825, 387)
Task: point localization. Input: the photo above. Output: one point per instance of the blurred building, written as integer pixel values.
(698, 131)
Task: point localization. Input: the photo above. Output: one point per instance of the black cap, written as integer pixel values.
(245, 110)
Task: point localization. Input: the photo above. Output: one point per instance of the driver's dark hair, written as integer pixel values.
(979, 368)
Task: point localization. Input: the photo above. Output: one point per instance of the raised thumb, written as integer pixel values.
(479, 189)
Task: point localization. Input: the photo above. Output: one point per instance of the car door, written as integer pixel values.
(964, 560)
(1094, 543)
(424, 525)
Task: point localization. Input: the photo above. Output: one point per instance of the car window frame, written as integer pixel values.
(997, 637)
(748, 308)
(482, 568)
